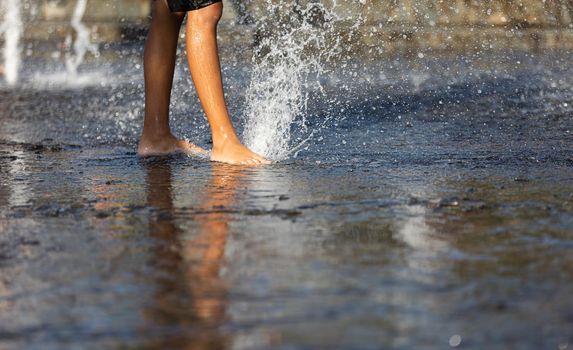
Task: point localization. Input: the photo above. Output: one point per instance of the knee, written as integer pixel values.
(162, 15)
(178, 16)
(205, 18)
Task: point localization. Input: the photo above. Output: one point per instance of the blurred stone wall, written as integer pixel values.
(388, 25)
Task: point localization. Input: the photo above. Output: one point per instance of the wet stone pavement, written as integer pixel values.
(432, 211)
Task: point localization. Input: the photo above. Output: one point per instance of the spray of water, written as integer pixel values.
(82, 43)
(12, 28)
(294, 44)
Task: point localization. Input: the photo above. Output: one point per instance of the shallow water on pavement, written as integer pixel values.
(435, 209)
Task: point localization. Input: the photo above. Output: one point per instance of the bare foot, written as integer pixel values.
(233, 152)
(167, 145)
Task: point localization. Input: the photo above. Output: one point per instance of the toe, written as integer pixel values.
(261, 160)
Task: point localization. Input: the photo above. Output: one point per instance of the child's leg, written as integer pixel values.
(159, 66)
(203, 58)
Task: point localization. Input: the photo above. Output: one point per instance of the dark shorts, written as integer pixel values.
(189, 5)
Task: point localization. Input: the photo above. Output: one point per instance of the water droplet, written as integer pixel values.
(455, 340)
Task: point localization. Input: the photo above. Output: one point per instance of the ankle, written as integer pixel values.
(156, 135)
(220, 141)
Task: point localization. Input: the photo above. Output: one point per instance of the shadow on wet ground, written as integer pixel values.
(434, 210)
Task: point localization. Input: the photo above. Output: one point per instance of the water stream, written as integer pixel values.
(12, 28)
(77, 46)
(81, 43)
(291, 56)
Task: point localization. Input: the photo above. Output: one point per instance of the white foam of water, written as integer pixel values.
(82, 43)
(12, 28)
(295, 53)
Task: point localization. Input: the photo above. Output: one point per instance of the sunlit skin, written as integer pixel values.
(203, 59)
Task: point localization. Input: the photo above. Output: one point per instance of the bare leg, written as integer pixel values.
(203, 57)
(159, 66)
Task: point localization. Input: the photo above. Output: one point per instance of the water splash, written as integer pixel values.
(12, 28)
(291, 54)
(82, 43)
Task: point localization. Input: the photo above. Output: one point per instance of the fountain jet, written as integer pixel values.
(82, 43)
(12, 33)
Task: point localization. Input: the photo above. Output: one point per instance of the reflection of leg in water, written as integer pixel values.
(205, 253)
(190, 295)
(159, 66)
(243, 14)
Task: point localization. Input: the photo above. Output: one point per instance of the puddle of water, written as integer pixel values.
(418, 218)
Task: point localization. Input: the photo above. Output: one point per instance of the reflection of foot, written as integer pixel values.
(235, 153)
(167, 145)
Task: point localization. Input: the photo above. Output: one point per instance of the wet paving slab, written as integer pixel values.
(445, 227)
